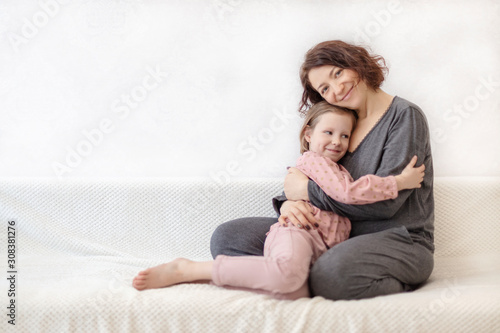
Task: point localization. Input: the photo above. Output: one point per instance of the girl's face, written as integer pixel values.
(330, 136)
(340, 87)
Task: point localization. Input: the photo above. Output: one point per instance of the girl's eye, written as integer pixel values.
(345, 136)
(328, 132)
(337, 73)
(324, 90)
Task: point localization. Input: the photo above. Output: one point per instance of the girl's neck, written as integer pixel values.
(376, 102)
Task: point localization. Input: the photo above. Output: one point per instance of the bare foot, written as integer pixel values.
(160, 276)
(174, 272)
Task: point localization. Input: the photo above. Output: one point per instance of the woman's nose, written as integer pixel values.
(337, 90)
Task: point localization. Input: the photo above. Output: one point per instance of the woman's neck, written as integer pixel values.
(376, 102)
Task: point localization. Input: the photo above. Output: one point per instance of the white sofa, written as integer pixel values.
(79, 243)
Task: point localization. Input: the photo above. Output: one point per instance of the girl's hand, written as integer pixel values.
(298, 213)
(295, 185)
(411, 177)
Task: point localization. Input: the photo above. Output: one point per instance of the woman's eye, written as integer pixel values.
(324, 90)
(337, 73)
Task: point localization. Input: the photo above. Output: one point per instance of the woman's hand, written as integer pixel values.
(298, 213)
(295, 185)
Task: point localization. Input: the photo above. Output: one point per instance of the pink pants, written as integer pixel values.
(282, 272)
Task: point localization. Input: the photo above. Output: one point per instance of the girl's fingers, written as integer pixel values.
(413, 161)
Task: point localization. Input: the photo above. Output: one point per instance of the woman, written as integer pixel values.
(390, 248)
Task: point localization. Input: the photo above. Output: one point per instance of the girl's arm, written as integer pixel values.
(367, 189)
(338, 184)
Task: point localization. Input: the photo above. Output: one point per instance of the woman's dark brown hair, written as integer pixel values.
(370, 68)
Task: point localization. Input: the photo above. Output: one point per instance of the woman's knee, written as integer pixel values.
(221, 237)
(352, 270)
(244, 236)
(328, 278)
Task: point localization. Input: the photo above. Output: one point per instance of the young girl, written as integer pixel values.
(289, 250)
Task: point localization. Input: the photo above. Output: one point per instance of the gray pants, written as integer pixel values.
(382, 263)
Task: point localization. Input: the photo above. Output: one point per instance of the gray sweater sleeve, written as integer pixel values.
(405, 135)
(277, 202)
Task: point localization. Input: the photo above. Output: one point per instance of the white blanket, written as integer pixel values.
(80, 243)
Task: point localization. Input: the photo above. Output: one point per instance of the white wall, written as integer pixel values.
(96, 88)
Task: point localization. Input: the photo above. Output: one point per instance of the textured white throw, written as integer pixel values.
(80, 243)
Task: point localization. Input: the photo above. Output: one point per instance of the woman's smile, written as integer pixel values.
(347, 95)
(336, 86)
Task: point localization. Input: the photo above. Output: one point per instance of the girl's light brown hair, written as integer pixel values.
(370, 68)
(312, 118)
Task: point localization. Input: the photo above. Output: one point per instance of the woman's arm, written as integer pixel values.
(296, 185)
(297, 212)
(408, 136)
(336, 181)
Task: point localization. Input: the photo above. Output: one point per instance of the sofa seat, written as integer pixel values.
(79, 243)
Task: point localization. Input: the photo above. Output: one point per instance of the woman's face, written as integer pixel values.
(340, 87)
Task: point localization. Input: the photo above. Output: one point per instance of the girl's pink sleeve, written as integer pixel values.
(338, 184)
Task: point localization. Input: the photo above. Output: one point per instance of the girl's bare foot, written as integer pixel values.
(177, 271)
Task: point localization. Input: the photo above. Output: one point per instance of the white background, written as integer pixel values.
(199, 88)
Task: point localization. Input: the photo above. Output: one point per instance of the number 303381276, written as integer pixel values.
(11, 247)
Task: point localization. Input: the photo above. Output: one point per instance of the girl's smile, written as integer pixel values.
(330, 136)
